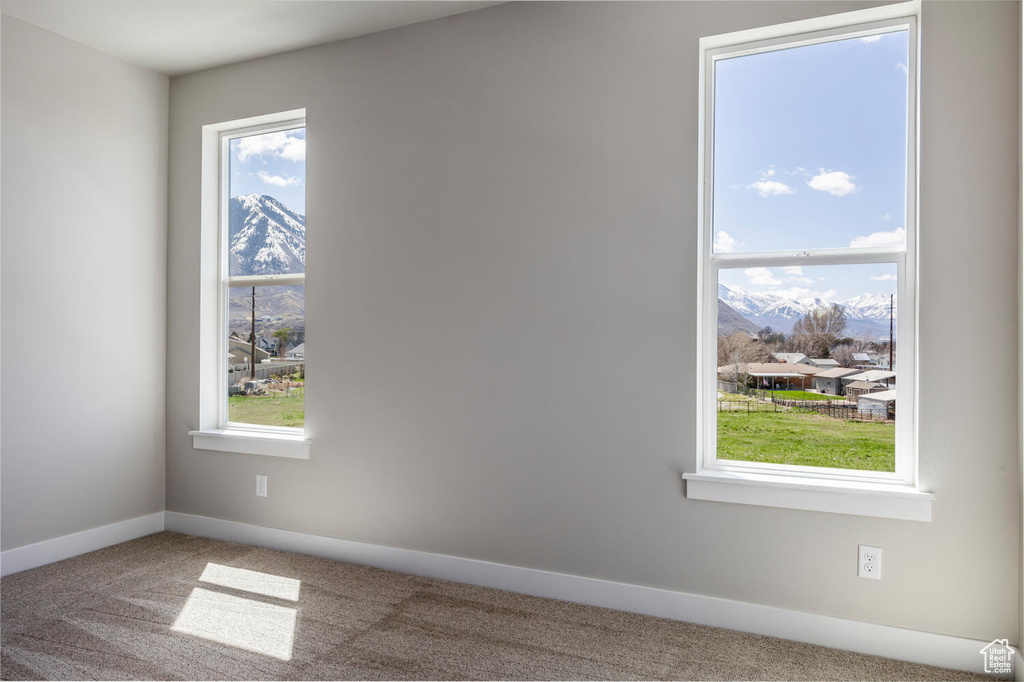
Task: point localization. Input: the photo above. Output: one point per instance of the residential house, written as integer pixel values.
(882, 402)
(830, 381)
(770, 375)
(856, 388)
(297, 352)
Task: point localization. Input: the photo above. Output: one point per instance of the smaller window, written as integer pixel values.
(252, 394)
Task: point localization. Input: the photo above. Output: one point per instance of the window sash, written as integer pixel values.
(711, 263)
(227, 282)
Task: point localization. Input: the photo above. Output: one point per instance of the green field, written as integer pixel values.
(806, 395)
(806, 439)
(275, 409)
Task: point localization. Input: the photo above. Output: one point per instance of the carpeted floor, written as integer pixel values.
(171, 606)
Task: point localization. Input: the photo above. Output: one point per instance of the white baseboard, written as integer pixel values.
(879, 640)
(46, 552)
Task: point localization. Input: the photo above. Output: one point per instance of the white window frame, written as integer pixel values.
(215, 432)
(890, 494)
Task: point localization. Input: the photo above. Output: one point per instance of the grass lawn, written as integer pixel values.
(276, 409)
(807, 395)
(806, 439)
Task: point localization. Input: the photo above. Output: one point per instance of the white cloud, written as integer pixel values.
(836, 183)
(280, 144)
(279, 181)
(724, 243)
(761, 277)
(770, 188)
(897, 237)
(768, 173)
(883, 278)
(886, 218)
(800, 280)
(871, 39)
(902, 67)
(793, 270)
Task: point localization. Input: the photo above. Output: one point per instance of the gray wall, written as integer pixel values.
(501, 310)
(84, 248)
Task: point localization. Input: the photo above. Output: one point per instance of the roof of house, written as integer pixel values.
(865, 385)
(873, 375)
(862, 357)
(836, 373)
(770, 369)
(793, 358)
(298, 350)
(824, 362)
(879, 397)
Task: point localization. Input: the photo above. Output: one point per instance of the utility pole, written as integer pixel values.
(891, 298)
(252, 339)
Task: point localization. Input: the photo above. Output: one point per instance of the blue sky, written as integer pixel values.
(272, 164)
(810, 152)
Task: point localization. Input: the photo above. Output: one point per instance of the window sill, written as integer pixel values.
(883, 500)
(267, 443)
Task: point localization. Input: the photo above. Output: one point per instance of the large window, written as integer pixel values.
(808, 255)
(263, 242)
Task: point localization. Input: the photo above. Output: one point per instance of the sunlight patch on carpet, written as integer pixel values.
(248, 624)
(252, 581)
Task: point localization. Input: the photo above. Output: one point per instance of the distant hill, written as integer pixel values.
(730, 321)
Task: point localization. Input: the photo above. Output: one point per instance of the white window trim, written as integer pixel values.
(214, 431)
(890, 495)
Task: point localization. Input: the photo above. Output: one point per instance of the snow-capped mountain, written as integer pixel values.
(867, 314)
(266, 237)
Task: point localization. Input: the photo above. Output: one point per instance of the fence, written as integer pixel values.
(767, 401)
(267, 370)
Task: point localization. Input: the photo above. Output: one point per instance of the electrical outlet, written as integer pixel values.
(261, 485)
(869, 562)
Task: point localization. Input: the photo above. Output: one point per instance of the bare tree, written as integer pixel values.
(818, 330)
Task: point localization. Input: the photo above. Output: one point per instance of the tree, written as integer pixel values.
(282, 336)
(819, 329)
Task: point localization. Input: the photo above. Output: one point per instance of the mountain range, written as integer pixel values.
(866, 315)
(266, 238)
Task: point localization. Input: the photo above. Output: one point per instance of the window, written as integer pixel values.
(253, 367)
(808, 259)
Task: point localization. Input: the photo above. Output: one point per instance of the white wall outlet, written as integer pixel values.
(261, 485)
(869, 562)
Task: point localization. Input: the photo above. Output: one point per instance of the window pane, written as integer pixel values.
(271, 391)
(810, 146)
(804, 374)
(267, 205)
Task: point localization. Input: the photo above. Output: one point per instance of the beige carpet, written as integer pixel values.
(171, 606)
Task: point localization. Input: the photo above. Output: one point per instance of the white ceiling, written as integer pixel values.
(181, 36)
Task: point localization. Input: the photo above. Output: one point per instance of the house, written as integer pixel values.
(878, 403)
(870, 360)
(830, 381)
(873, 375)
(242, 352)
(856, 388)
(512, 267)
(770, 375)
(823, 363)
(297, 352)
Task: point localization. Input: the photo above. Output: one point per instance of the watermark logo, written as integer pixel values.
(998, 657)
